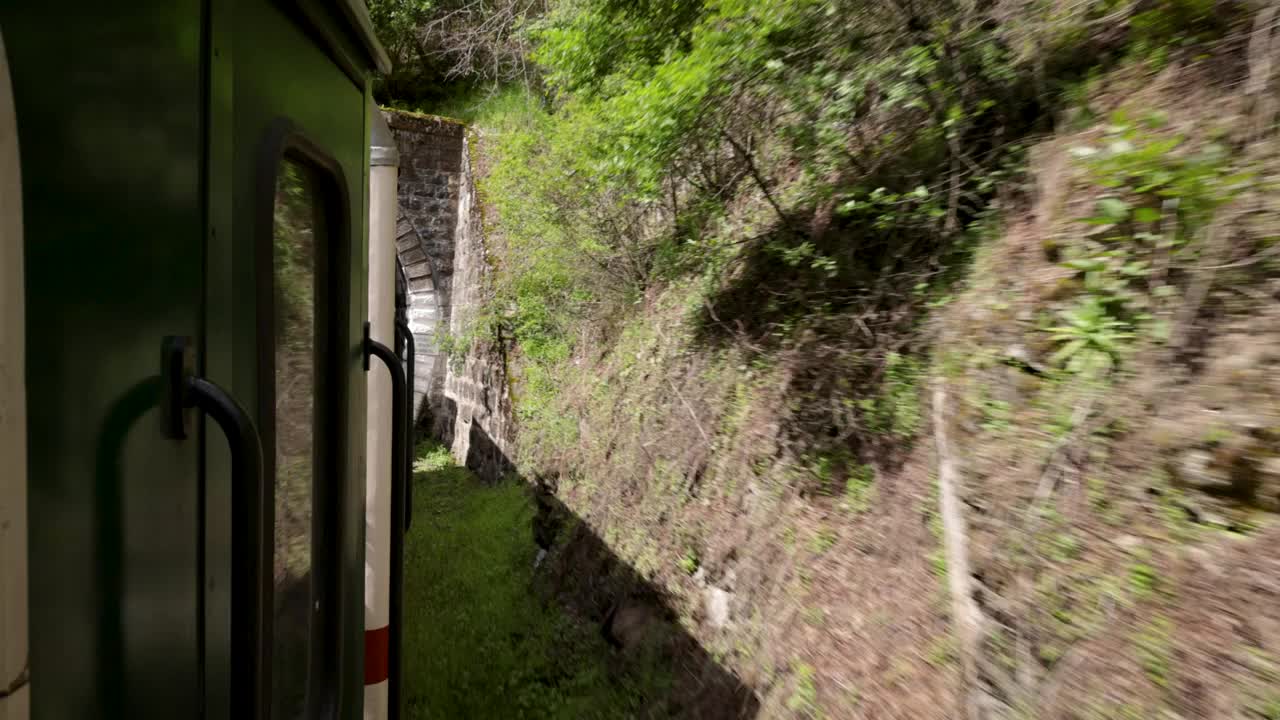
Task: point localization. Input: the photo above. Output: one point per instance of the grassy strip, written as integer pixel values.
(478, 643)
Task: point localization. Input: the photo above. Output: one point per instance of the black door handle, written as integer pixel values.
(181, 391)
(411, 349)
(399, 431)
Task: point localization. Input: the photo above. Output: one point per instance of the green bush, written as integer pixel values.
(896, 411)
(1161, 193)
(1092, 341)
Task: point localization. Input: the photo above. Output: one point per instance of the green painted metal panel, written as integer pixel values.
(143, 129)
(281, 73)
(218, 347)
(109, 105)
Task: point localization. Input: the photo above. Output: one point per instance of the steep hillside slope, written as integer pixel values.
(919, 359)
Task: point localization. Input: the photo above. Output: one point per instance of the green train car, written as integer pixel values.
(185, 354)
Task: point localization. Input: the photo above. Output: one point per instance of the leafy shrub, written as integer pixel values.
(804, 696)
(1092, 340)
(689, 562)
(1155, 650)
(1175, 24)
(1162, 193)
(1155, 175)
(896, 411)
(860, 489)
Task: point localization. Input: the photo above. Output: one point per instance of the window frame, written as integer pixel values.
(285, 142)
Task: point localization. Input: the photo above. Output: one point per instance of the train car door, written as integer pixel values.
(193, 180)
(287, 304)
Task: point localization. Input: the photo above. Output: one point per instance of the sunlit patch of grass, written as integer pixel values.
(477, 642)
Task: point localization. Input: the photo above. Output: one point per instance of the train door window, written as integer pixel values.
(302, 428)
(297, 229)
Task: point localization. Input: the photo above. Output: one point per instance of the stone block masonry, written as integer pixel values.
(440, 243)
(429, 188)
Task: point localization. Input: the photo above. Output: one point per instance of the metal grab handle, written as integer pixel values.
(411, 349)
(251, 556)
(399, 429)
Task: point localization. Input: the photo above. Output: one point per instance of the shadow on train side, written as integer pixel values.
(610, 616)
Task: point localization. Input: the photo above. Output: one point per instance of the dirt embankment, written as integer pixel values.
(1118, 495)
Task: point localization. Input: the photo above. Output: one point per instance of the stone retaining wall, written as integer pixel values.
(440, 243)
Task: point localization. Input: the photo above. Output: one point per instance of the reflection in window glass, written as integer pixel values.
(297, 227)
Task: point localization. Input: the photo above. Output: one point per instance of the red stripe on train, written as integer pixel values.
(376, 643)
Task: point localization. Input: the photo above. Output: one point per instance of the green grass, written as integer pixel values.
(1155, 650)
(493, 108)
(804, 698)
(478, 643)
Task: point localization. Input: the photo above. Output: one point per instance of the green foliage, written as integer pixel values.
(1175, 24)
(293, 262)
(825, 470)
(690, 562)
(1111, 278)
(1262, 696)
(1162, 192)
(815, 616)
(872, 148)
(445, 51)
(1065, 547)
(1155, 175)
(822, 541)
(896, 411)
(1092, 340)
(996, 415)
(804, 696)
(397, 23)
(865, 147)
(644, 75)
(938, 563)
(416, 75)
(1144, 580)
(548, 275)
(788, 537)
(584, 44)
(824, 466)
(1267, 708)
(1101, 502)
(860, 488)
(1154, 644)
(942, 651)
(805, 255)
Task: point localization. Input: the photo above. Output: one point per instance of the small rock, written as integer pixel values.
(717, 602)
(1269, 469)
(629, 625)
(1205, 561)
(1128, 542)
(1268, 491)
(1209, 517)
(1255, 426)
(1195, 469)
(1193, 510)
